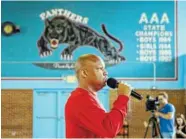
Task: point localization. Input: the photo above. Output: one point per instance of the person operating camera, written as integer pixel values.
(166, 115)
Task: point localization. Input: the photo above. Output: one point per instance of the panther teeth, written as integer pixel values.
(68, 57)
(65, 57)
(48, 53)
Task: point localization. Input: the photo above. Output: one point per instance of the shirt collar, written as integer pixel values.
(86, 91)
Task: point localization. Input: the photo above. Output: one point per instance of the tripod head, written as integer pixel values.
(153, 114)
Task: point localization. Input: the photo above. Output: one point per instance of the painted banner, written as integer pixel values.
(137, 40)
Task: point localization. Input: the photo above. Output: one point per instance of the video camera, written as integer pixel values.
(152, 103)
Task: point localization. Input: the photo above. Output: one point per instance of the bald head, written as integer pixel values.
(90, 72)
(86, 61)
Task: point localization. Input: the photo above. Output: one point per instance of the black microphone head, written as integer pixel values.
(112, 83)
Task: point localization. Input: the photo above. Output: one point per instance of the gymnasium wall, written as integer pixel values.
(21, 74)
(17, 112)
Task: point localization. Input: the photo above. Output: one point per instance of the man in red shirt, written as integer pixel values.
(84, 116)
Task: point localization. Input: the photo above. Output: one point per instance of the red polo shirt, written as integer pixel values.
(86, 118)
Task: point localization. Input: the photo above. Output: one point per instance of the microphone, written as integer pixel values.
(113, 83)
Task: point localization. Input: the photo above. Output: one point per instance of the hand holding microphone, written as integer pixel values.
(123, 89)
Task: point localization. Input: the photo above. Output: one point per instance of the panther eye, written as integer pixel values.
(58, 26)
(52, 26)
(59, 31)
(50, 30)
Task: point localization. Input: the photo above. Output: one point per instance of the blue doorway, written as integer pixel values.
(48, 111)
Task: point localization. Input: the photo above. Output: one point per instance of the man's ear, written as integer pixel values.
(84, 73)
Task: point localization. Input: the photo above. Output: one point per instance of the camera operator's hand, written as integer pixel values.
(156, 113)
(146, 124)
(124, 89)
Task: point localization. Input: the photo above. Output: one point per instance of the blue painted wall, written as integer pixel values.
(121, 20)
(182, 40)
(178, 84)
(184, 81)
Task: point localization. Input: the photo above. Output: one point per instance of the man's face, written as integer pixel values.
(162, 99)
(96, 74)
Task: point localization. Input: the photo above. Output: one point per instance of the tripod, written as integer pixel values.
(155, 127)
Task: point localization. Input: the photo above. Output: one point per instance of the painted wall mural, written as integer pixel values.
(63, 30)
(137, 40)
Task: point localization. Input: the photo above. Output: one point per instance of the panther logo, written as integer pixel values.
(61, 30)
